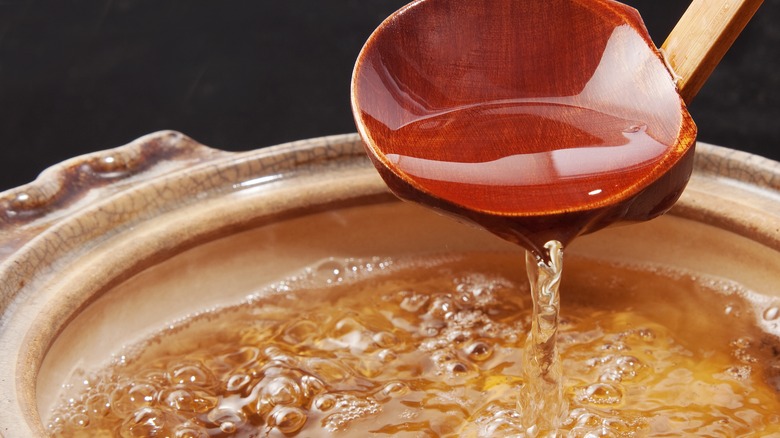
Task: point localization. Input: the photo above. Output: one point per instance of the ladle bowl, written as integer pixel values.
(537, 120)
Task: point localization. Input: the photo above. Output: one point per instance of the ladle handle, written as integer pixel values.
(701, 38)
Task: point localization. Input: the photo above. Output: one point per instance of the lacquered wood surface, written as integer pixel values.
(537, 120)
(701, 38)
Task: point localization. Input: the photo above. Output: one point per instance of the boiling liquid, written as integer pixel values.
(436, 348)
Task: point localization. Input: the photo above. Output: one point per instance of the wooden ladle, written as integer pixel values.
(538, 120)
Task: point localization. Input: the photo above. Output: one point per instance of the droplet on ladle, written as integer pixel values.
(537, 120)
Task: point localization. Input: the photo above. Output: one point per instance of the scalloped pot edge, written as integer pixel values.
(88, 225)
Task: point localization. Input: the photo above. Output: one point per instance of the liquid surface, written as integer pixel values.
(435, 348)
(524, 156)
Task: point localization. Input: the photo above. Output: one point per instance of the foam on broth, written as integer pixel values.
(433, 347)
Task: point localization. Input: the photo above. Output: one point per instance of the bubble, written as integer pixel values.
(385, 339)
(278, 357)
(646, 335)
(288, 420)
(771, 314)
(228, 427)
(732, 309)
(479, 351)
(187, 430)
(414, 302)
(280, 390)
(741, 350)
(456, 368)
(191, 373)
(386, 355)
(614, 346)
(740, 372)
(146, 422)
(349, 408)
(178, 399)
(79, 420)
(244, 357)
(346, 327)
(616, 426)
(237, 382)
(628, 366)
(324, 402)
(369, 367)
(353, 265)
(154, 377)
(442, 307)
(300, 331)
(602, 394)
(55, 425)
(465, 299)
(504, 422)
(611, 375)
(98, 405)
(395, 389)
(504, 427)
(491, 330)
(443, 356)
(130, 396)
(311, 386)
(187, 401)
(430, 329)
(329, 272)
(227, 419)
(589, 420)
(328, 370)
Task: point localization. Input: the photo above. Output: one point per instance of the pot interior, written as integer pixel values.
(224, 270)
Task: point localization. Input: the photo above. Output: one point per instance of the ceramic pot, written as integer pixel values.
(104, 249)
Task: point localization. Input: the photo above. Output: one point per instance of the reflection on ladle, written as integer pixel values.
(539, 121)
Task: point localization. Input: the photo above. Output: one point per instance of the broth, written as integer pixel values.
(525, 157)
(434, 347)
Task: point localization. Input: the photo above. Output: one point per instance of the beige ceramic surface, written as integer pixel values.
(174, 227)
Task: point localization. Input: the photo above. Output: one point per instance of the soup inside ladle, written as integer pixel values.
(539, 121)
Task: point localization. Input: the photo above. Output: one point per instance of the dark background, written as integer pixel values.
(83, 75)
